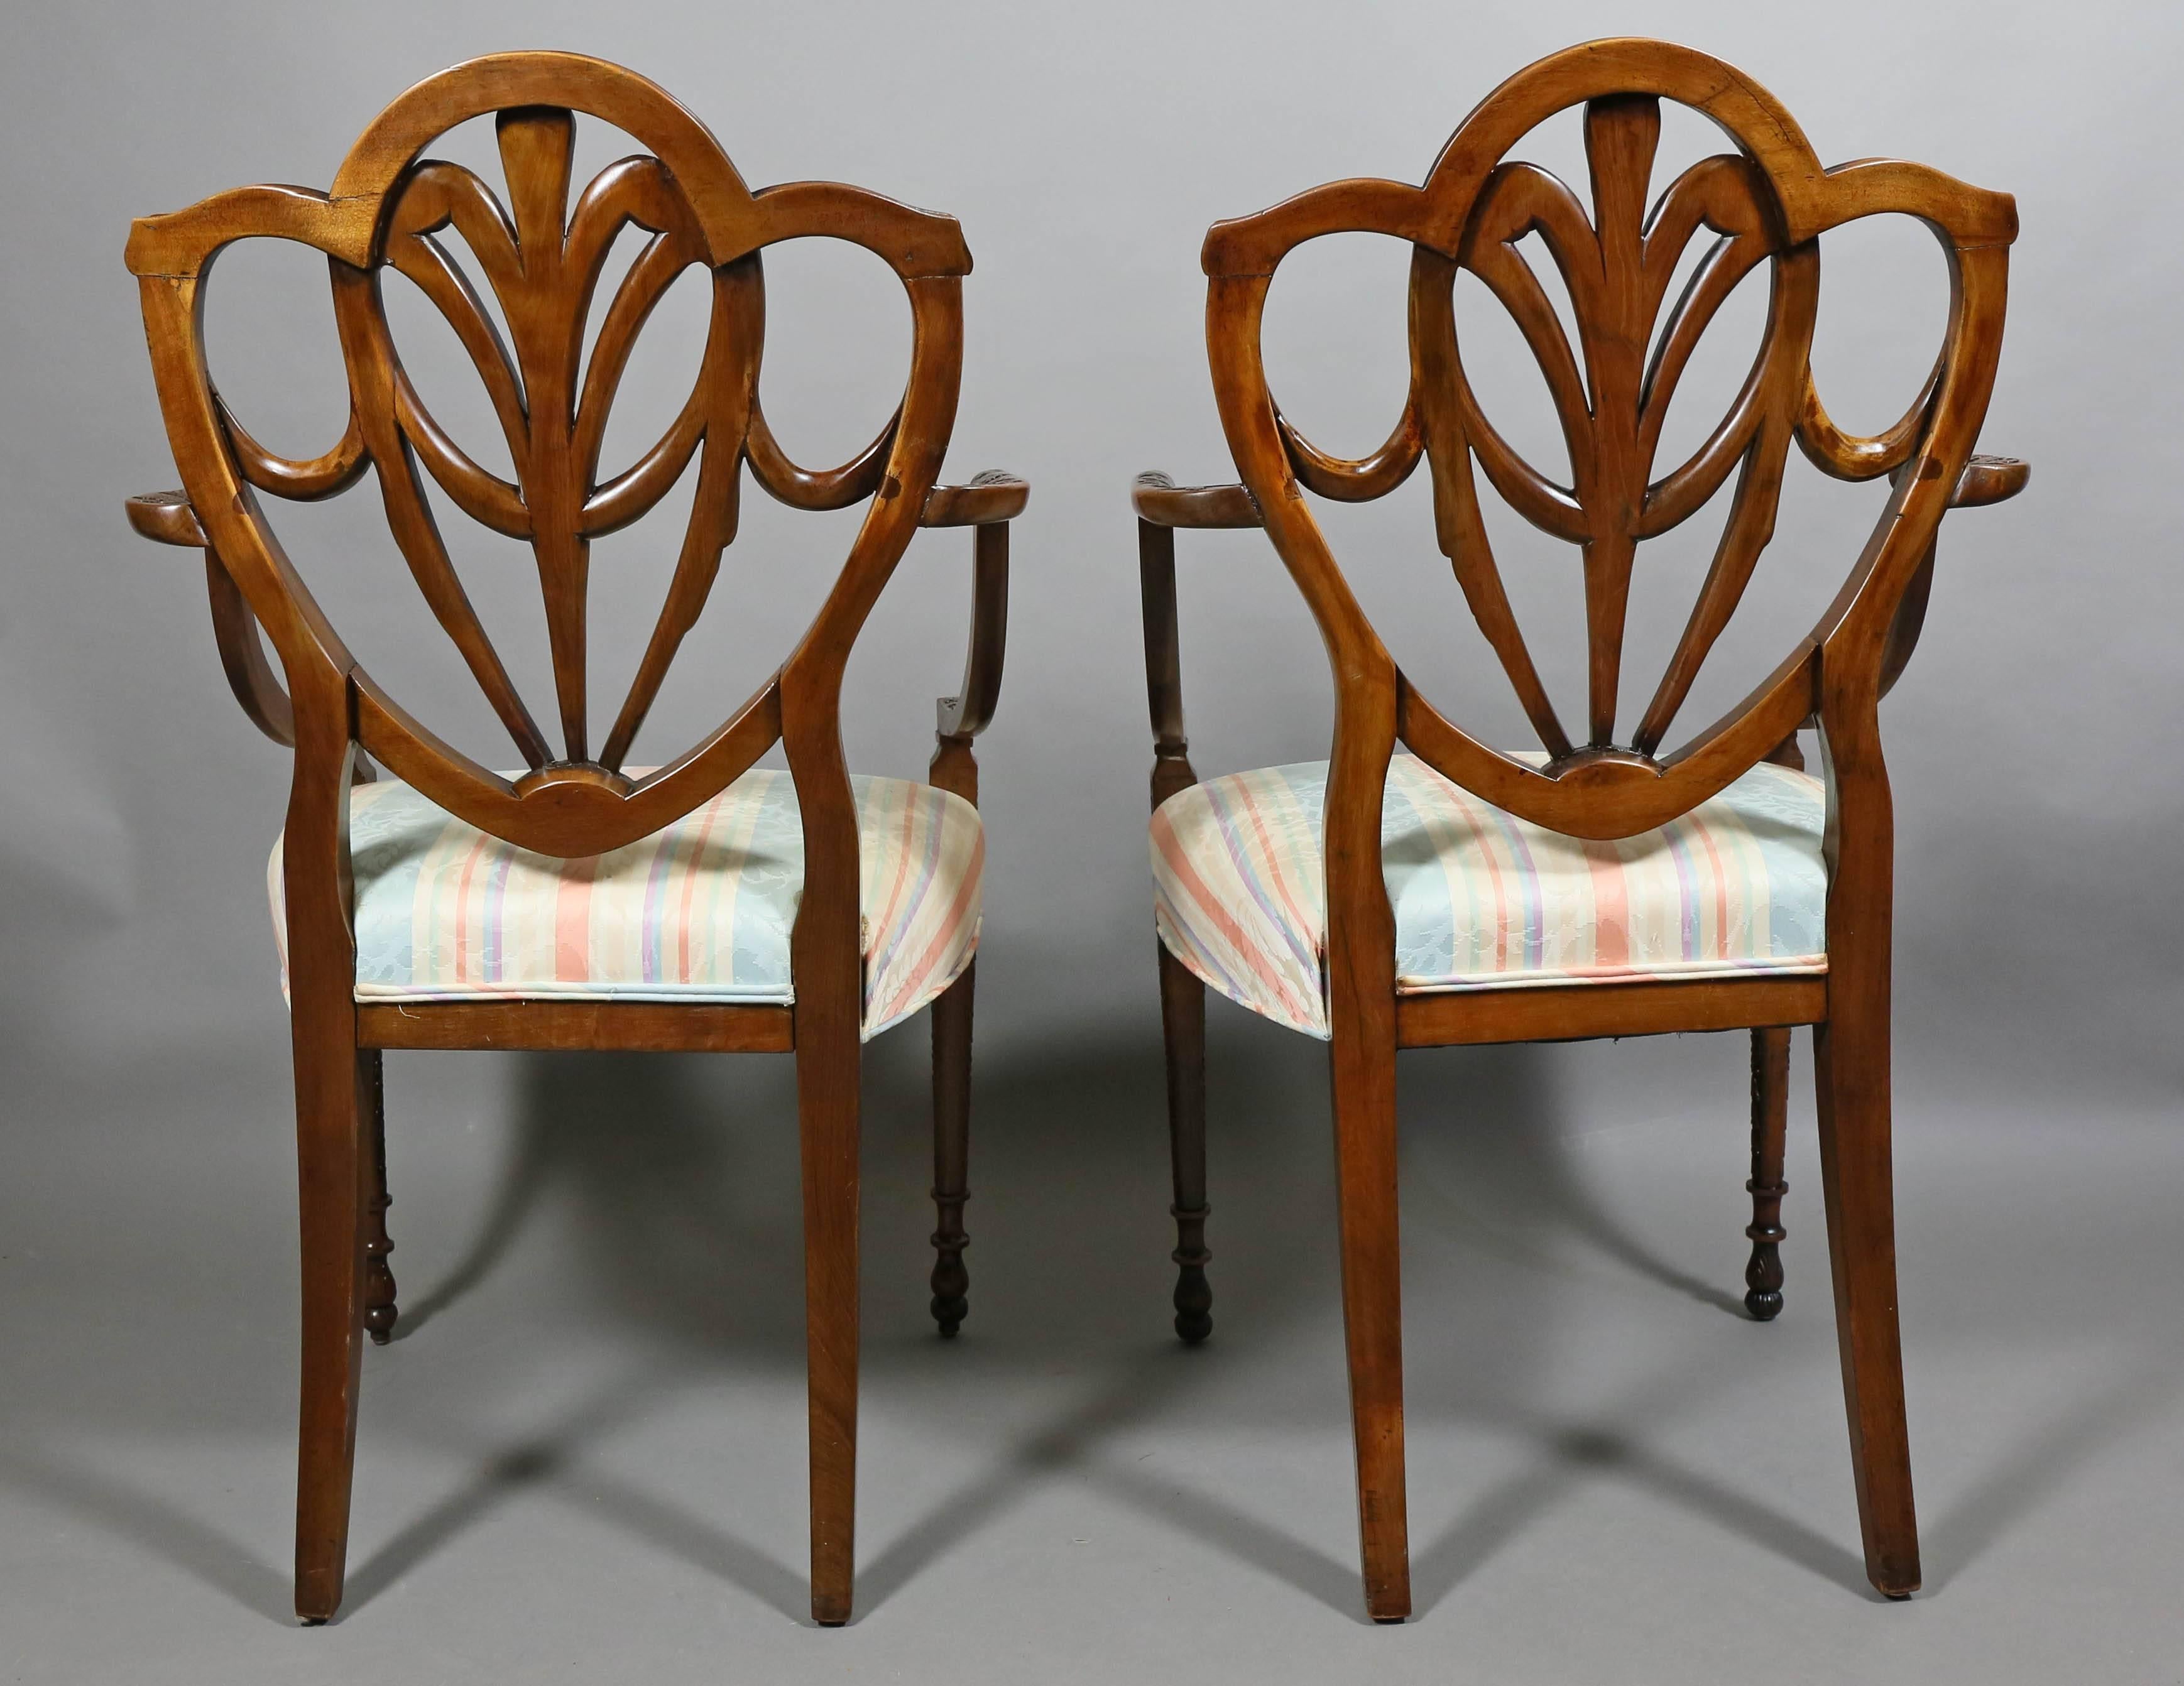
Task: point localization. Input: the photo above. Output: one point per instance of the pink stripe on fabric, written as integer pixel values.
(1240, 945)
(884, 927)
(466, 950)
(1610, 906)
(573, 921)
(711, 812)
(1720, 891)
(944, 941)
(1270, 854)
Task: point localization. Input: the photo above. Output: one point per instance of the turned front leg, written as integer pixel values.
(380, 1311)
(951, 1143)
(1770, 1118)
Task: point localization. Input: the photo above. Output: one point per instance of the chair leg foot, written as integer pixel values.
(1194, 1295)
(952, 1146)
(1770, 1114)
(1183, 1025)
(381, 1311)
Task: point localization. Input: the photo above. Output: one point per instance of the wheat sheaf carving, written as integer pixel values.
(1612, 398)
(1613, 375)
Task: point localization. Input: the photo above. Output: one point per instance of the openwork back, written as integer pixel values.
(540, 256)
(1617, 248)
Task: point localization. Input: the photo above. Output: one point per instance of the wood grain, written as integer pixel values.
(534, 256)
(1761, 205)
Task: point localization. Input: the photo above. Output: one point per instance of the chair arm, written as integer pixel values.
(996, 495)
(166, 518)
(1990, 479)
(1163, 506)
(985, 505)
(1160, 501)
(1986, 480)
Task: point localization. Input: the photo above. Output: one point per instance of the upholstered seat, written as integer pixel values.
(1483, 899)
(700, 911)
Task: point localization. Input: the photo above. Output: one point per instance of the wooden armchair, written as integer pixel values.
(707, 904)
(1598, 887)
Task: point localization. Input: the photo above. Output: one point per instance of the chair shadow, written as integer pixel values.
(692, 1229)
(157, 1525)
(653, 1185)
(1492, 1114)
(2021, 1482)
(553, 1462)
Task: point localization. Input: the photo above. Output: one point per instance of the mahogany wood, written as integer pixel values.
(601, 1026)
(381, 1312)
(1461, 1018)
(541, 251)
(1163, 506)
(1770, 1124)
(1765, 202)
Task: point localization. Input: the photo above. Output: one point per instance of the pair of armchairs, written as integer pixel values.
(1379, 899)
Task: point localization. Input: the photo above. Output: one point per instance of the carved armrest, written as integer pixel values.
(1990, 479)
(1163, 506)
(996, 495)
(166, 518)
(1160, 501)
(986, 504)
(1986, 480)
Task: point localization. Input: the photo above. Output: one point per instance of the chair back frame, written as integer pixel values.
(1769, 200)
(389, 206)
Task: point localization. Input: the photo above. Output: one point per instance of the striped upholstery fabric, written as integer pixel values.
(700, 911)
(1483, 899)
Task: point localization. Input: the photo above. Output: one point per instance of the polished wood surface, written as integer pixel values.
(540, 251)
(541, 1026)
(1463, 1017)
(1765, 202)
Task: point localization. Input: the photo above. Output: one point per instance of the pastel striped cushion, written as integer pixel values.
(1483, 899)
(700, 911)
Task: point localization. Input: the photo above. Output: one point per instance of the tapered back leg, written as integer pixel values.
(332, 1098)
(1852, 1060)
(1372, 1313)
(826, 1081)
(1858, 1181)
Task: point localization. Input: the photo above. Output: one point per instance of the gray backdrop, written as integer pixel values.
(1084, 150)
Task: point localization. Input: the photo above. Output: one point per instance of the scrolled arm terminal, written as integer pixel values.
(165, 518)
(1986, 480)
(1990, 479)
(1160, 501)
(996, 495)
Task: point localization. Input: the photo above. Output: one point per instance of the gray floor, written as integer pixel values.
(583, 1459)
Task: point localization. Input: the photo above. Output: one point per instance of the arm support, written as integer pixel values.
(1986, 480)
(986, 506)
(166, 518)
(1163, 506)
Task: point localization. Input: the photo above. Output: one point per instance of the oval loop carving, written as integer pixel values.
(1611, 375)
(540, 252)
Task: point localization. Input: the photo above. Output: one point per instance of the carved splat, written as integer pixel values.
(542, 261)
(540, 253)
(1611, 397)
